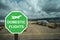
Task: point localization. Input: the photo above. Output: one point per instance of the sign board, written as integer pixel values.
(16, 22)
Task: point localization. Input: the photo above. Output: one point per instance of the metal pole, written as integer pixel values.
(15, 36)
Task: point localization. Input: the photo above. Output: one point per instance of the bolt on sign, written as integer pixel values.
(16, 22)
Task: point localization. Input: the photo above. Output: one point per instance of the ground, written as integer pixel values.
(33, 32)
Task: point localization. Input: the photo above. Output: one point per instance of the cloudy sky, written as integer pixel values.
(31, 8)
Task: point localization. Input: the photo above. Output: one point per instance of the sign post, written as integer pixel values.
(15, 36)
(16, 22)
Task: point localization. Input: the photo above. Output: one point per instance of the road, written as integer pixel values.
(33, 32)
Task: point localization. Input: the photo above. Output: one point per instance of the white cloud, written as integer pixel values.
(32, 8)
